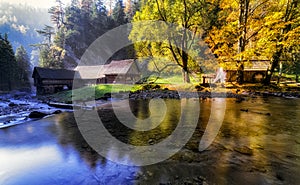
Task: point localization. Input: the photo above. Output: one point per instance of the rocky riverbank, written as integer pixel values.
(170, 94)
(19, 107)
(16, 106)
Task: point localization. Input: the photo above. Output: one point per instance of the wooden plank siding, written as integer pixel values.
(48, 81)
(254, 71)
(118, 71)
(253, 76)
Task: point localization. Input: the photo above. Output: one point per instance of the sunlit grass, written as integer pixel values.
(285, 75)
(175, 79)
(94, 92)
(174, 82)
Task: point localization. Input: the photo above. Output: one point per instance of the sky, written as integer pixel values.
(36, 3)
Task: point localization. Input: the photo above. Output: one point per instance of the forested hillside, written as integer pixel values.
(20, 23)
(78, 25)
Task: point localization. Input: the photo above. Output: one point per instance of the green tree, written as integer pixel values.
(47, 33)
(186, 14)
(51, 52)
(57, 14)
(131, 7)
(7, 64)
(84, 23)
(118, 13)
(23, 63)
(77, 26)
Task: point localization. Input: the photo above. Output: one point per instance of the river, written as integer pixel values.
(258, 143)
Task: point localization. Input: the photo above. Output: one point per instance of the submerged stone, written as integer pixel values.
(36, 114)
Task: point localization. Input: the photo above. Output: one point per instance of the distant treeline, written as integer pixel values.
(14, 67)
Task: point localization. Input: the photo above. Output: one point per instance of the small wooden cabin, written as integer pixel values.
(254, 72)
(48, 81)
(118, 71)
(89, 75)
(124, 72)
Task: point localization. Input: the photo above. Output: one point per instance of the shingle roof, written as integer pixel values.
(59, 74)
(250, 66)
(89, 72)
(116, 67)
(260, 66)
(119, 66)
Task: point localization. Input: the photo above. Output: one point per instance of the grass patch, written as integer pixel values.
(172, 79)
(93, 92)
(285, 76)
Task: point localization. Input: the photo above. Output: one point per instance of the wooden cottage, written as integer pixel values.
(118, 71)
(48, 81)
(124, 72)
(254, 71)
(88, 75)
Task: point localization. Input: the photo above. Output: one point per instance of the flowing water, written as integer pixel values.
(258, 143)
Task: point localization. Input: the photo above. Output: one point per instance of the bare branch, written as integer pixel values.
(160, 11)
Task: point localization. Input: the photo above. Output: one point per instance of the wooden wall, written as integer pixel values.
(253, 76)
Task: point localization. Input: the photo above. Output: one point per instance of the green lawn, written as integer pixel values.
(174, 79)
(174, 82)
(93, 92)
(291, 76)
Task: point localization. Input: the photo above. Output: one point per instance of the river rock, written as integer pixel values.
(107, 95)
(151, 142)
(57, 112)
(12, 104)
(36, 114)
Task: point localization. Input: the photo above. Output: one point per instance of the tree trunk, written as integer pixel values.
(275, 62)
(280, 73)
(243, 19)
(186, 76)
(240, 73)
(185, 58)
(292, 6)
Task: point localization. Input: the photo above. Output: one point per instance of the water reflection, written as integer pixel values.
(164, 129)
(259, 141)
(52, 151)
(112, 134)
(67, 133)
(252, 147)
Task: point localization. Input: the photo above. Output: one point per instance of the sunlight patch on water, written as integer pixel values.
(19, 161)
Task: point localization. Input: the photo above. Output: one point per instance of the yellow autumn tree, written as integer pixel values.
(186, 16)
(248, 30)
(235, 30)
